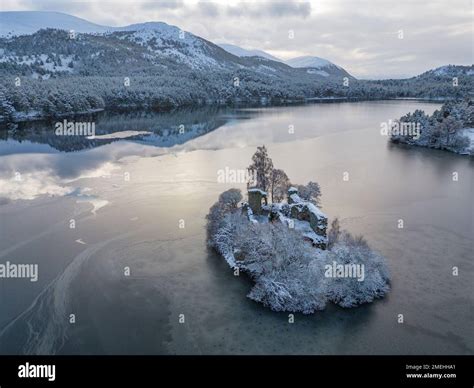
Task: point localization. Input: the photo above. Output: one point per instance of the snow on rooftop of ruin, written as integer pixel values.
(256, 190)
(315, 210)
(311, 207)
(303, 227)
(296, 198)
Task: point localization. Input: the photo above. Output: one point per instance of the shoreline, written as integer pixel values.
(23, 117)
(469, 152)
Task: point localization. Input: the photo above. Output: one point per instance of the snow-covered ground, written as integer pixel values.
(120, 135)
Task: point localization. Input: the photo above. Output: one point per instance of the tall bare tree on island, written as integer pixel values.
(261, 168)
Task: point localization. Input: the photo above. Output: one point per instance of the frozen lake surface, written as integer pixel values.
(127, 197)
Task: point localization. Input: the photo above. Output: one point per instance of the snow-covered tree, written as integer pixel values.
(287, 276)
(448, 129)
(226, 204)
(7, 110)
(230, 199)
(352, 291)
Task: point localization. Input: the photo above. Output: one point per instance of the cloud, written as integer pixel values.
(207, 8)
(271, 9)
(289, 8)
(50, 5)
(159, 5)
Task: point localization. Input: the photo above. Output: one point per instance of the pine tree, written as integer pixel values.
(6, 108)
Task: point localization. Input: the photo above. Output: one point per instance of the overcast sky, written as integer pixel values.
(363, 36)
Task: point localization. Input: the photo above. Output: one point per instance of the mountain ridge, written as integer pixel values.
(15, 23)
(311, 64)
(241, 52)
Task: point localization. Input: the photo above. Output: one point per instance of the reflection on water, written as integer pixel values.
(126, 197)
(163, 130)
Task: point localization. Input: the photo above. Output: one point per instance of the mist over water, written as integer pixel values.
(173, 176)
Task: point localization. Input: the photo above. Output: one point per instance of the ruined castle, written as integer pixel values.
(298, 214)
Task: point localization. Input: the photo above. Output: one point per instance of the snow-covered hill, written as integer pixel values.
(313, 65)
(309, 61)
(316, 65)
(162, 40)
(166, 41)
(28, 22)
(241, 52)
(449, 71)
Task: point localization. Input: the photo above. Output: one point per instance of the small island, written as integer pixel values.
(279, 237)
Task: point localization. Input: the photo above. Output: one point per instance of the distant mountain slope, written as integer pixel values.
(241, 52)
(449, 71)
(308, 61)
(49, 53)
(312, 65)
(148, 44)
(28, 22)
(438, 84)
(318, 65)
